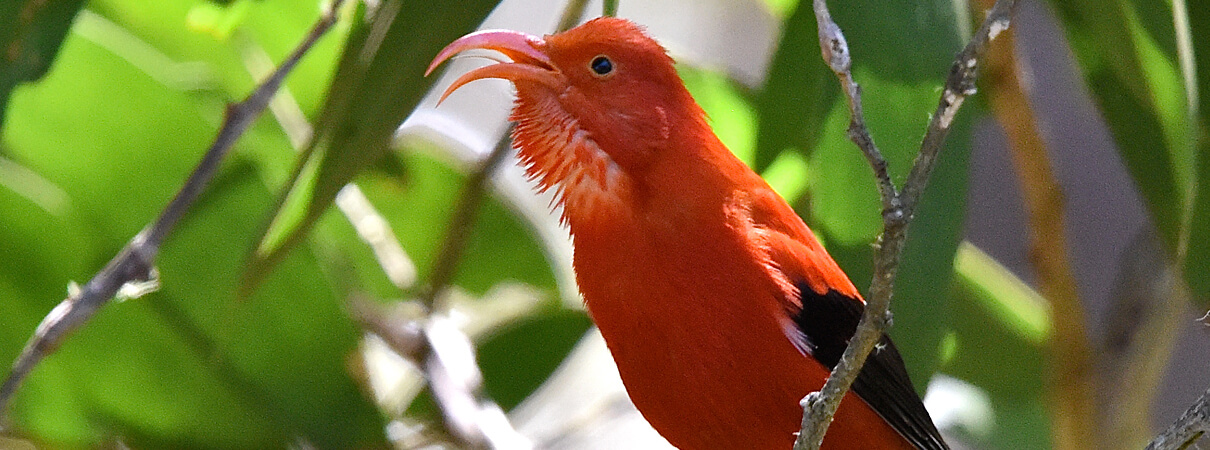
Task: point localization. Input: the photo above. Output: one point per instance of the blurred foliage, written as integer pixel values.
(999, 311)
(91, 152)
(364, 106)
(1140, 64)
(30, 35)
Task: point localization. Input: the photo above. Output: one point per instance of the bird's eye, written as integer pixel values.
(601, 65)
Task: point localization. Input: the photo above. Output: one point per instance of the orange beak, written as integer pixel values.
(525, 50)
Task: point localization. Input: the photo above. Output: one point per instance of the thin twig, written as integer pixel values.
(835, 51)
(461, 222)
(820, 407)
(1187, 429)
(133, 266)
(958, 86)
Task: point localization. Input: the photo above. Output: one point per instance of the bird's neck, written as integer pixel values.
(558, 154)
(675, 154)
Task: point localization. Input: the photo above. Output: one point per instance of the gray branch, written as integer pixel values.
(898, 207)
(132, 270)
(1187, 429)
(447, 358)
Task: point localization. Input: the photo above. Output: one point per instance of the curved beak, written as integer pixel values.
(525, 50)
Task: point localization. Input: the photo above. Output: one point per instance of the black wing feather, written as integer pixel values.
(827, 322)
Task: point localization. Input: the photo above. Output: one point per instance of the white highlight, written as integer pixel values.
(955, 101)
(996, 28)
(957, 405)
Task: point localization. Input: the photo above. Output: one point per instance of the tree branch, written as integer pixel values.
(459, 229)
(1187, 429)
(898, 208)
(447, 359)
(132, 269)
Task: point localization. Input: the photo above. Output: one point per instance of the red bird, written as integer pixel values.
(720, 307)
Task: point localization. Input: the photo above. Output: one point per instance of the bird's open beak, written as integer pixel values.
(529, 62)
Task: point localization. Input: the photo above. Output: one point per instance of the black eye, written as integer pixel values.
(601, 65)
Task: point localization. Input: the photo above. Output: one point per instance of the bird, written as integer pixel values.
(718, 304)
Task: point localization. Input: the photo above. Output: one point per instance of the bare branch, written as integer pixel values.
(835, 51)
(1187, 429)
(820, 407)
(462, 220)
(134, 264)
(447, 359)
(958, 86)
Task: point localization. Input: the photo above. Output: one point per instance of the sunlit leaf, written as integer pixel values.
(31, 32)
(1197, 254)
(379, 80)
(1000, 346)
(1127, 54)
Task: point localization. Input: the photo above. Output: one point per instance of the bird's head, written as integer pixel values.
(594, 104)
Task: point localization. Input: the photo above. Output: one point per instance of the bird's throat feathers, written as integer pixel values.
(559, 154)
(594, 137)
(596, 163)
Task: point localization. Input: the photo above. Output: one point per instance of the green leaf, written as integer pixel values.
(799, 92)
(1197, 253)
(1127, 54)
(1001, 342)
(31, 32)
(186, 367)
(379, 80)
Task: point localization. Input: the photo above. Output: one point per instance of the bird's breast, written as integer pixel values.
(695, 326)
(689, 321)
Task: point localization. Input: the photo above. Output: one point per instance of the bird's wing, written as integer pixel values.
(825, 308)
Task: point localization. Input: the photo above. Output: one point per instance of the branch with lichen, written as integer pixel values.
(1190, 427)
(898, 206)
(131, 273)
